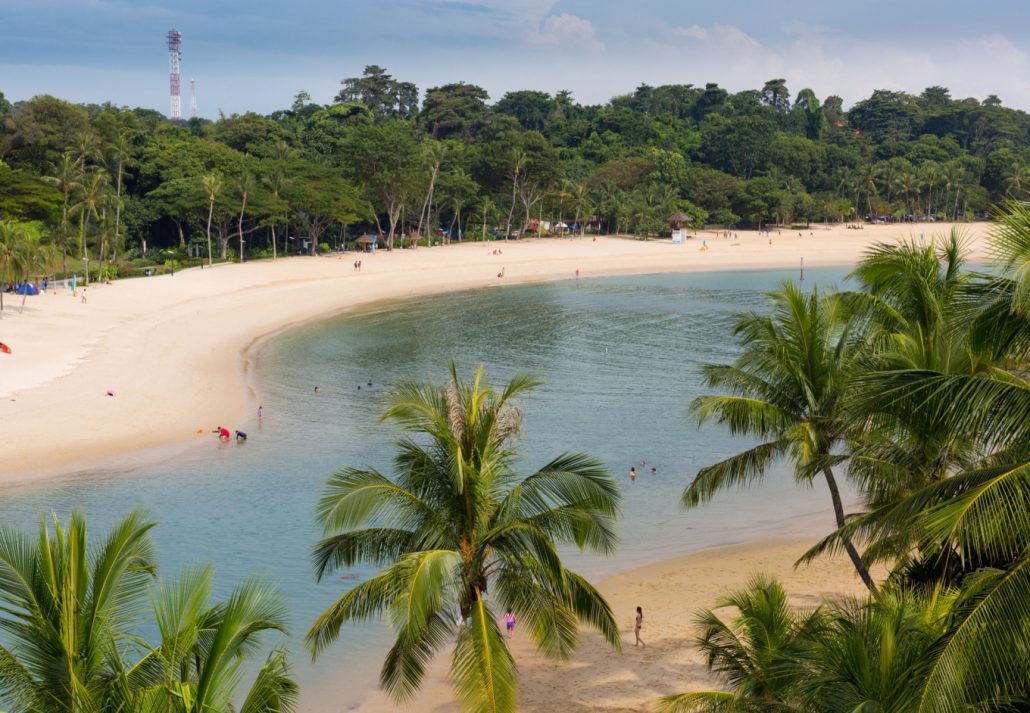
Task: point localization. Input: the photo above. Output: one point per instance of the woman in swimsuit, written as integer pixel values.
(509, 623)
(636, 627)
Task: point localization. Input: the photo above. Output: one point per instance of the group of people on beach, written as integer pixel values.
(224, 434)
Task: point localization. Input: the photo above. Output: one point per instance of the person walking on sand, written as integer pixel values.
(509, 623)
(261, 412)
(637, 626)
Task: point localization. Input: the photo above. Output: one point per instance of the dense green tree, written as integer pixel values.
(384, 96)
(452, 110)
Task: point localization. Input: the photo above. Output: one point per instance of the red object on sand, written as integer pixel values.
(4, 348)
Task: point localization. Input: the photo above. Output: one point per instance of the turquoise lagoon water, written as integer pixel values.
(621, 359)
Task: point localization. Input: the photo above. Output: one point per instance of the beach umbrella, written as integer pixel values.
(364, 240)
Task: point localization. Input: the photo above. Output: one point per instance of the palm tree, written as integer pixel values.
(244, 185)
(197, 666)
(581, 200)
(461, 536)
(433, 154)
(874, 653)
(519, 161)
(94, 185)
(85, 148)
(120, 152)
(761, 655)
(66, 179)
(67, 610)
(70, 610)
(212, 184)
(487, 207)
(15, 255)
(787, 387)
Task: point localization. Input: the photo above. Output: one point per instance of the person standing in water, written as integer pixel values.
(632, 475)
(637, 625)
(261, 412)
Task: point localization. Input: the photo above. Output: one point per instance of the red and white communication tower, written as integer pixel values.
(174, 42)
(193, 98)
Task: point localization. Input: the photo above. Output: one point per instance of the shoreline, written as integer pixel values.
(670, 592)
(176, 350)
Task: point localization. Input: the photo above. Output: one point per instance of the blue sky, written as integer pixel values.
(257, 55)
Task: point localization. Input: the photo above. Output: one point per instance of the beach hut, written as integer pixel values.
(676, 221)
(365, 243)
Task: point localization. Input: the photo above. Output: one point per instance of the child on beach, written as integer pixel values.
(509, 623)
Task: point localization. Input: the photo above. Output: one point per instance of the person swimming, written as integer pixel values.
(654, 471)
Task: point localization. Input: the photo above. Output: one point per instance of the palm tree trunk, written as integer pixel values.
(838, 512)
(511, 212)
(118, 205)
(210, 212)
(85, 254)
(242, 209)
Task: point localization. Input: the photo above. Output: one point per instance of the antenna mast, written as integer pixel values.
(193, 98)
(174, 42)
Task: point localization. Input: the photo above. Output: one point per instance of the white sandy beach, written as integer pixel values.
(600, 679)
(173, 348)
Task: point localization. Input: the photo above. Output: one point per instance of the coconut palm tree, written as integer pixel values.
(760, 655)
(120, 152)
(198, 665)
(519, 163)
(67, 610)
(94, 185)
(487, 209)
(70, 612)
(212, 184)
(66, 179)
(16, 257)
(787, 387)
(244, 185)
(462, 537)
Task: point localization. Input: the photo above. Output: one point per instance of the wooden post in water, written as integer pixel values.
(802, 269)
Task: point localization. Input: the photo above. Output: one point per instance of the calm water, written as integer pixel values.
(621, 360)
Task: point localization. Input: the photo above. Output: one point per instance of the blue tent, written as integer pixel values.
(26, 289)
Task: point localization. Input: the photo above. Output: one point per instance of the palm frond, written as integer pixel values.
(483, 670)
(741, 470)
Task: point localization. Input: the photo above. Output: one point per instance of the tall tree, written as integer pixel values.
(212, 184)
(462, 535)
(787, 387)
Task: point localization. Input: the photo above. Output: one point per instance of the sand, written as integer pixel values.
(173, 348)
(174, 352)
(600, 679)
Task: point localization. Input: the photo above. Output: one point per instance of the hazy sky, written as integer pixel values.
(256, 55)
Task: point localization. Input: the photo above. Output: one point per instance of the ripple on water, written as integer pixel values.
(621, 359)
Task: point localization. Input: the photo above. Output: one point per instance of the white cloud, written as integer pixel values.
(721, 34)
(566, 29)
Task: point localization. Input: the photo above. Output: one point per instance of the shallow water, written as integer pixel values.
(620, 357)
